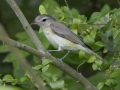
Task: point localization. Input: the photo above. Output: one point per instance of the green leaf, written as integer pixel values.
(100, 85)
(81, 54)
(9, 58)
(3, 48)
(115, 74)
(54, 77)
(91, 59)
(74, 12)
(93, 34)
(74, 30)
(95, 16)
(57, 84)
(37, 67)
(99, 43)
(105, 50)
(62, 18)
(40, 30)
(15, 82)
(22, 35)
(105, 66)
(50, 6)
(98, 62)
(9, 88)
(111, 82)
(9, 78)
(46, 61)
(76, 22)
(117, 41)
(42, 9)
(94, 66)
(89, 40)
(105, 9)
(45, 68)
(25, 78)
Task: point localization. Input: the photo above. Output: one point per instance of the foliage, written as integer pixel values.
(100, 32)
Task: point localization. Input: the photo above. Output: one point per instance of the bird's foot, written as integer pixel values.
(61, 60)
(48, 52)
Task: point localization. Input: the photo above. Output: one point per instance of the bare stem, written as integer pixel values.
(68, 8)
(118, 2)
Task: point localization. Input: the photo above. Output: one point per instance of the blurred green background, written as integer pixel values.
(30, 9)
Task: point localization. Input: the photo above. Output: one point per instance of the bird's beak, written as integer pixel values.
(33, 23)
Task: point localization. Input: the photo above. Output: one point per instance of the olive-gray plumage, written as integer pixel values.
(60, 36)
(64, 32)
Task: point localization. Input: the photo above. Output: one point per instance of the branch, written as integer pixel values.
(25, 24)
(21, 59)
(67, 69)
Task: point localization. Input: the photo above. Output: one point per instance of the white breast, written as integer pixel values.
(50, 36)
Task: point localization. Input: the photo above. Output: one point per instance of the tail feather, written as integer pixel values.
(90, 51)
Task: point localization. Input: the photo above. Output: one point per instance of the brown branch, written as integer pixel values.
(21, 59)
(67, 69)
(25, 24)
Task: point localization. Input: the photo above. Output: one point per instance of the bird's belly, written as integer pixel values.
(58, 41)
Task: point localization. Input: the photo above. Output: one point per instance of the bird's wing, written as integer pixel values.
(64, 32)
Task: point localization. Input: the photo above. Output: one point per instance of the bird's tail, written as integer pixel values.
(96, 55)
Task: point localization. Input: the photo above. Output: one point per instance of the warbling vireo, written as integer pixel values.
(61, 37)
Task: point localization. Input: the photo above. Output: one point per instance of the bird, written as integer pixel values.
(61, 36)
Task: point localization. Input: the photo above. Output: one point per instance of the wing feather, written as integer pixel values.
(64, 32)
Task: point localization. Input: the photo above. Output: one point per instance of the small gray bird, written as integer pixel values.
(60, 36)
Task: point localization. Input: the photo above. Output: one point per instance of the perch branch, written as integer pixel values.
(67, 69)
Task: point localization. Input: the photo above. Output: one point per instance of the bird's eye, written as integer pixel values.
(44, 20)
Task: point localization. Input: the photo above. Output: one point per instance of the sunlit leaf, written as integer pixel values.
(37, 67)
(98, 62)
(81, 54)
(91, 59)
(100, 85)
(57, 84)
(9, 78)
(25, 78)
(46, 61)
(94, 66)
(9, 88)
(42, 9)
(44, 69)
(99, 43)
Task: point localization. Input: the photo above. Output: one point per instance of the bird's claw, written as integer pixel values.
(61, 61)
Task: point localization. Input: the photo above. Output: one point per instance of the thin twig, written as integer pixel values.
(25, 24)
(21, 59)
(118, 2)
(67, 69)
(68, 8)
